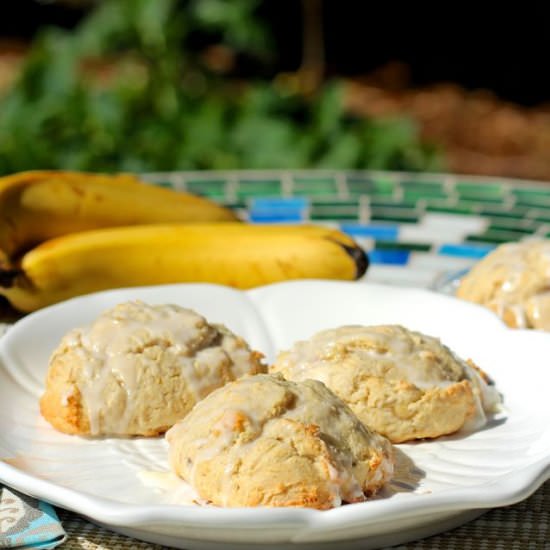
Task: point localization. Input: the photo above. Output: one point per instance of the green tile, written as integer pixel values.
(524, 192)
(481, 189)
(358, 193)
(500, 228)
(497, 237)
(362, 186)
(517, 212)
(375, 196)
(475, 205)
(306, 187)
(391, 203)
(541, 216)
(334, 213)
(534, 201)
(383, 185)
(449, 207)
(313, 192)
(332, 202)
(513, 224)
(394, 215)
(207, 187)
(414, 193)
(245, 193)
(481, 198)
(395, 245)
(259, 188)
(426, 186)
(479, 239)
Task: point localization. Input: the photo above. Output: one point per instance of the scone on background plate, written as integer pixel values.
(265, 441)
(139, 368)
(513, 281)
(403, 384)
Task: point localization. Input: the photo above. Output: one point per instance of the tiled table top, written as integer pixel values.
(498, 209)
(428, 223)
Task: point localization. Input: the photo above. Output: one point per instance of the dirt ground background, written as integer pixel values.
(479, 133)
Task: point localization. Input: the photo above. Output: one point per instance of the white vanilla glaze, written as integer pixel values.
(125, 342)
(390, 352)
(513, 281)
(274, 413)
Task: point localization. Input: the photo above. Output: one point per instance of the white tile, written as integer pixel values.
(431, 234)
(458, 222)
(435, 262)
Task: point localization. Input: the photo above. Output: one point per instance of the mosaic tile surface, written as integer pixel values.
(430, 223)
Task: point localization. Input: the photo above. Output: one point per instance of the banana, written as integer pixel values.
(37, 206)
(237, 255)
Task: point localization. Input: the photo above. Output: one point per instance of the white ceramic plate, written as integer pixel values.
(439, 484)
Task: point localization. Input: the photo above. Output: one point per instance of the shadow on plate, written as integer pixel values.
(406, 477)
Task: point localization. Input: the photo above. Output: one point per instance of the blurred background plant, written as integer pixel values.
(143, 85)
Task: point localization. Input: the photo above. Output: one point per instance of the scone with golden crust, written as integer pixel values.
(138, 369)
(401, 383)
(514, 282)
(266, 441)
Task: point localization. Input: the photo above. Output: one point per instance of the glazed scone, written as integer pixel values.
(401, 383)
(266, 441)
(138, 369)
(513, 281)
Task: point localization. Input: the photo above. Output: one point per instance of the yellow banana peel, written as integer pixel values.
(238, 255)
(37, 206)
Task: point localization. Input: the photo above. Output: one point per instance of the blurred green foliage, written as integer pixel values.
(128, 89)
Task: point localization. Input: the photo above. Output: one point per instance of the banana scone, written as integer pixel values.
(514, 282)
(266, 441)
(139, 368)
(403, 384)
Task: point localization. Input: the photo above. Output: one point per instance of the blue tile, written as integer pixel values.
(376, 231)
(268, 203)
(275, 216)
(278, 210)
(393, 257)
(465, 250)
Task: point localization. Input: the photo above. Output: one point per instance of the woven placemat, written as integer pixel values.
(522, 526)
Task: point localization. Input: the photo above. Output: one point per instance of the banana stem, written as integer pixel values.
(359, 256)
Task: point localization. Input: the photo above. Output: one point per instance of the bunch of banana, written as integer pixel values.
(239, 255)
(36, 206)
